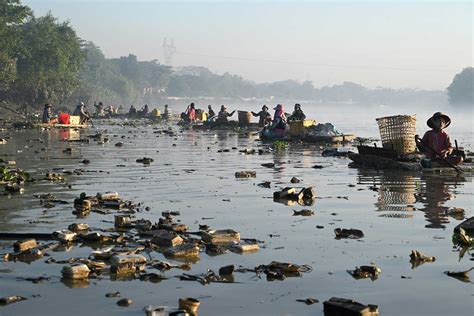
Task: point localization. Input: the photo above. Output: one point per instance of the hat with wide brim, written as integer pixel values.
(264, 107)
(446, 118)
(278, 107)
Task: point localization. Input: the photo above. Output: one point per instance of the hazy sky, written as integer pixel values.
(417, 44)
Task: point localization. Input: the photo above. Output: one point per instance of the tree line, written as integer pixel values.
(43, 60)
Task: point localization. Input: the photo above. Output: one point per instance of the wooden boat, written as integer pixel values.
(128, 116)
(377, 162)
(382, 158)
(230, 125)
(342, 138)
(46, 125)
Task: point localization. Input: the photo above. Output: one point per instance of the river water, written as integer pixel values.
(397, 211)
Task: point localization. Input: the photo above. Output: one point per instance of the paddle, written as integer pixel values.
(439, 155)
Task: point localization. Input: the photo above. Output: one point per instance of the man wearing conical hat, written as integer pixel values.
(436, 143)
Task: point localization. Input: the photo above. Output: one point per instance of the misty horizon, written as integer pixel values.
(410, 45)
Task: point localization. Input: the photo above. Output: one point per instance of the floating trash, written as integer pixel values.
(364, 272)
(348, 233)
(245, 174)
(341, 306)
(76, 272)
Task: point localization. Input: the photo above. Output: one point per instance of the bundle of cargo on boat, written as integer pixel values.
(74, 122)
(323, 133)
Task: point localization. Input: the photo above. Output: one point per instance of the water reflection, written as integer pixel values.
(433, 193)
(398, 192)
(76, 284)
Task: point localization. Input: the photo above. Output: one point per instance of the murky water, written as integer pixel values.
(397, 212)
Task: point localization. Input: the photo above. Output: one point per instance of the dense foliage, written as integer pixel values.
(40, 57)
(461, 90)
(12, 15)
(42, 60)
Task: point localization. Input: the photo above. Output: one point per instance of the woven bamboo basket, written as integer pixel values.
(398, 132)
(244, 117)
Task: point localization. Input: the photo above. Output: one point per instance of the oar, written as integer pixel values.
(440, 156)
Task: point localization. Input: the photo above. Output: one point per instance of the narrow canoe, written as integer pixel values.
(46, 125)
(343, 138)
(378, 162)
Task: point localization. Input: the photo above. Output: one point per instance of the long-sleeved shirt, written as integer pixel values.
(264, 116)
(80, 111)
(223, 115)
(439, 141)
(46, 115)
(297, 115)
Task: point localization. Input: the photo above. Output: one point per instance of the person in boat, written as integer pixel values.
(223, 115)
(145, 110)
(119, 109)
(47, 114)
(189, 116)
(279, 121)
(110, 109)
(190, 113)
(264, 116)
(81, 111)
(132, 111)
(277, 128)
(436, 143)
(211, 112)
(297, 114)
(99, 109)
(166, 112)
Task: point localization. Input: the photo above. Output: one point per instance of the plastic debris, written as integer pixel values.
(462, 276)
(303, 213)
(364, 272)
(79, 227)
(113, 294)
(417, 258)
(348, 233)
(23, 245)
(124, 302)
(464, 232)
(11, 299)
(64, 236)
(308, 301)
(166, 238)
(246, 174)
(145, 160)
(305, 196)
(221, 236)
(76, 272)
(183, 250)
(341, 306)
(226, 270)
(189, 304)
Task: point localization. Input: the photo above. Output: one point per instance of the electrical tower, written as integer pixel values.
(168, 51)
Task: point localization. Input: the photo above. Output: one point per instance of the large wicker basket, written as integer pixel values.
(244, 118)
(398, 133)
